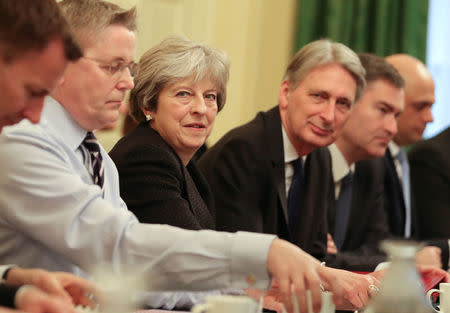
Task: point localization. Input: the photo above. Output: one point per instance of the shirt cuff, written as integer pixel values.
(249, 252)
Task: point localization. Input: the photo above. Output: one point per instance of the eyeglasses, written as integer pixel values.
(115, 68)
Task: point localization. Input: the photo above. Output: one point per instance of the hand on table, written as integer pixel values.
(66, 286)
(295, 271)
(430, 256)
(34, 300)
(352, 291)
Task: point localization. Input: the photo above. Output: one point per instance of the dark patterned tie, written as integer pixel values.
(92, 145)
(343, 205)
(295, 196)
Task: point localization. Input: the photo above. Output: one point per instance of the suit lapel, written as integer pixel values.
(272, 127)
(395, 191)
(198, 206)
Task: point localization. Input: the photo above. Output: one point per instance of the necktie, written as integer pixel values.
(92, 145)
(295, 195)
(343, 205)
(403, 159)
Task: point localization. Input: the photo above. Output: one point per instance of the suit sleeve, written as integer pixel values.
(235, 175)
(368, 255)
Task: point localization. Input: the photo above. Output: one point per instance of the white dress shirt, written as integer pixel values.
(52, 216)
(339, 168)
(290, 155)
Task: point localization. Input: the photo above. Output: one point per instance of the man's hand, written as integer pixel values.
(80, 290)
(331, 246)
(295, 271)
(429, 256)
(426, 269)
(350, 290)
(66, 286)
(33, 300)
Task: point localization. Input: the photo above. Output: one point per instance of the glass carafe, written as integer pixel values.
(401, 289)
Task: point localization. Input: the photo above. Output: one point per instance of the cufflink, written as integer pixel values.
(250, 279)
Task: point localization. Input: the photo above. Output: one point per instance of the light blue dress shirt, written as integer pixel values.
(52, 216)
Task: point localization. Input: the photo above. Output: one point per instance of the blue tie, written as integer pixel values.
(403, 159)
(295, 195)
(343, 205)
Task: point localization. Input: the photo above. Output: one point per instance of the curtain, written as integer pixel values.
(382, 27)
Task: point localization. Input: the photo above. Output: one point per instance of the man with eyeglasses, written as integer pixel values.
(61, 209)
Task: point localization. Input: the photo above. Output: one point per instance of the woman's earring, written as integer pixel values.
(148, 117)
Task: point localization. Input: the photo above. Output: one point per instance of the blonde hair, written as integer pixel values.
(172, 60)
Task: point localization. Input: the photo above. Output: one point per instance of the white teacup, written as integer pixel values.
(226, 304)
(444, 297)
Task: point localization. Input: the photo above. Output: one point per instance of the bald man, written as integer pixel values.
(419, 98)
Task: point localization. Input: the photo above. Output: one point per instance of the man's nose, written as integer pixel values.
(391, 125)
(126, 80)
(328, 112)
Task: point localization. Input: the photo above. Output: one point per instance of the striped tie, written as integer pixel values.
(92, 145)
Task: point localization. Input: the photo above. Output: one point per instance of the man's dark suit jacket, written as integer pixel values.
(395, 208)
(246, 172)
(155, 184)
(7, 295)
(367, 224)
(430, 183)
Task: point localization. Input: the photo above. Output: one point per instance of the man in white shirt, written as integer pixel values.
(60, 198)
(35, 48)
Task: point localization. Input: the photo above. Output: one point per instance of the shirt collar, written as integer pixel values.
(393, 148)
(61, 123)
(340, 167)
(290, 154)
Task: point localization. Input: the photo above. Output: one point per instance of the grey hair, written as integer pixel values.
(172, 60)
(322, 52)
